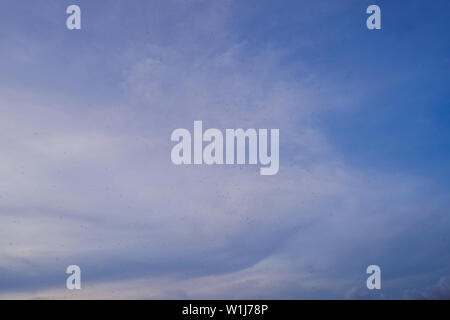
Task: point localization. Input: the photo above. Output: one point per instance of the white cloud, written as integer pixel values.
(94, 184)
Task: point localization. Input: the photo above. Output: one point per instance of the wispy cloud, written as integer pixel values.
(89, 181)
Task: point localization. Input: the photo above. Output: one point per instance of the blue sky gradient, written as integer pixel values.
(86, 176)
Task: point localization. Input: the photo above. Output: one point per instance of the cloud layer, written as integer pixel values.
(86, 177)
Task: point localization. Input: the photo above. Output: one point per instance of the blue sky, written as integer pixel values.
(85, 139)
